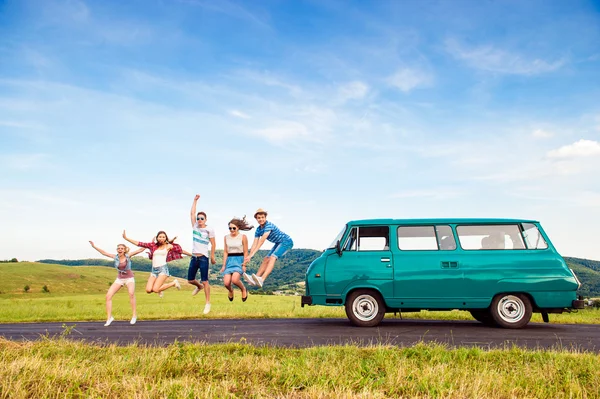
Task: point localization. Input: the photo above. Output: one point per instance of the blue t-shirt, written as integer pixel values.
(276, 237)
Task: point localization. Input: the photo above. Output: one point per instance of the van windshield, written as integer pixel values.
(337, 238)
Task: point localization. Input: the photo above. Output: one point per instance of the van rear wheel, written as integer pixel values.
(365, 308)
(511, 310)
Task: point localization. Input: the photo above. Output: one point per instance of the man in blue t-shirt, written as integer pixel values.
(267, 231)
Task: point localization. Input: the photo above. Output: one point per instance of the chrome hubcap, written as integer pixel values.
(365, 307)
(511, 309)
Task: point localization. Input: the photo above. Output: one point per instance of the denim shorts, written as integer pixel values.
(198, 262)
(156, 271)
(280, 249)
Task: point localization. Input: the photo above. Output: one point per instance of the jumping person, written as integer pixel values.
(267, 231)
(161, 252)
(234, 256)
(203, 235)
(124, 278)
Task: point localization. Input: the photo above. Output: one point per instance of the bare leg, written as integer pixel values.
(159, 284)
(227, 284)
(111, 292)
(263, 266)
(206, 291)
(235, 279)
(195, 283)
(150, 284)
(268, 268)
(131, 290)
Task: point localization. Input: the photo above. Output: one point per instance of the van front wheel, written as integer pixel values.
(511, 310)
(365, 308)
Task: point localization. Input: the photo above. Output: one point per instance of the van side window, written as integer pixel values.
(445, 238)
(368, 238)
(484, 237)
(417, 238)
(533, 237)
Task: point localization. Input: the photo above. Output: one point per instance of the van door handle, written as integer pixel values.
(449, 265)
(385, 259)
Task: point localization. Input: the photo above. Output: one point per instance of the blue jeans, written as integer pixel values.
(156, 271)
(280, 249)
(198, 262)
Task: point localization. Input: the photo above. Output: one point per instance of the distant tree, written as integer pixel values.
(14, 260)
(26, 288)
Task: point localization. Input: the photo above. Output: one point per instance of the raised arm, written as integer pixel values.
(102, 251)
(193, 210)
(134, 242)
(136, 252)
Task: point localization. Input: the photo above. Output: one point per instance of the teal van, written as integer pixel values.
(500, 270)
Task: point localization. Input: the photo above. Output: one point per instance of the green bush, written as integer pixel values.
(26, 288)
(45, 289)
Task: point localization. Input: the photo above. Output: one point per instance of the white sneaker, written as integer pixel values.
(177, 285)
(206, 308)
(109, 321)
(160, 294)
(249, 280)
(197, 290)
(133, 320)
(258, 280)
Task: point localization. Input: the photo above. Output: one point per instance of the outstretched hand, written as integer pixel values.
(124, 235)
(197, 197)
(92, 243)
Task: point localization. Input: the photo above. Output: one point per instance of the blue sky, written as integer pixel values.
(114, 115)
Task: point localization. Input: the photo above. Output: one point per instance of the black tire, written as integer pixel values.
(365, 308)
(483, 316)
(511, 310)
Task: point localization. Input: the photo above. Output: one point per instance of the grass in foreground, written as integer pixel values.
(59, 368)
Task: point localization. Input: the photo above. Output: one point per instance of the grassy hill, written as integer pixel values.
(292, 268)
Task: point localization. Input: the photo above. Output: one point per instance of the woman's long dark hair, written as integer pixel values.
(167, 241)
(241, 223)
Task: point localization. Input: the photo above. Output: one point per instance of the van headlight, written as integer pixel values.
(576, 279)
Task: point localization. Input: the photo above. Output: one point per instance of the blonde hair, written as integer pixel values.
(125, 246)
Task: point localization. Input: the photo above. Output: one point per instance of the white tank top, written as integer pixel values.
(234, 244)
(159, 257)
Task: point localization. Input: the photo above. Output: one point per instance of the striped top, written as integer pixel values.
(202, 236)
(276, 236)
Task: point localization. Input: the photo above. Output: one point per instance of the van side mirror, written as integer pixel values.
(338, 248)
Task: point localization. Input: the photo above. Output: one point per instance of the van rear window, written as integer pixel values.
(494, 237)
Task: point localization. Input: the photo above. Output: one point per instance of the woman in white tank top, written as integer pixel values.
(162, 251)
(234, 253)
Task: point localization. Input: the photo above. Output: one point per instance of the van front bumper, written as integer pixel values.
(578, 304)
(307, 300)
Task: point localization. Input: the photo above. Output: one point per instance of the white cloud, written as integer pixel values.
(353, 90)
(407, 79)
(239, 114)
(579, 149)
(490, 58)
(541, 134)
(284, 130)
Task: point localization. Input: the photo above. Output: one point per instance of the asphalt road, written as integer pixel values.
(314, 332)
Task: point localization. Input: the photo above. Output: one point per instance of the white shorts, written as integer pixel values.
(125, 281)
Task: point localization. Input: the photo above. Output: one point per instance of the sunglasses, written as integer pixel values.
(200, 218)
(233, 228)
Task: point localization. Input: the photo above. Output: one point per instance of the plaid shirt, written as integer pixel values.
(174, 253)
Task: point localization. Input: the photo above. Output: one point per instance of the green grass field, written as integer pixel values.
(78, 294)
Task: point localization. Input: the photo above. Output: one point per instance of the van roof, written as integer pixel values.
(440, 221)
